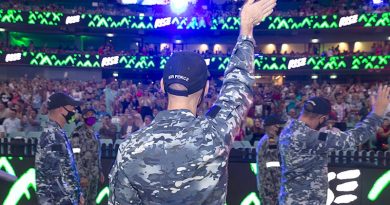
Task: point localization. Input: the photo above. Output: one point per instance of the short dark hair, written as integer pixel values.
(108, 115)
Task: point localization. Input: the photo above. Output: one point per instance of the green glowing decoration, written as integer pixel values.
(254, 168)
(11, 16)
(380, 184)
(20, 188)
(103, 193)
(6, 166)
(46, 18)
(189, 23)
(251, 199)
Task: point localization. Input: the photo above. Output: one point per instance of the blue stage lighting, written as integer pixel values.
(178, 6)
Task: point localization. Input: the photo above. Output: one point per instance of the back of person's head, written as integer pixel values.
(316, 112)
(185, 77)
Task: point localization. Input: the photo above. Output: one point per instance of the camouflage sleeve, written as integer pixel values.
(100, 154)
(77, 150)
(343, 140)
(236, 94)
(121, 189)
(48, 169)
(261, 164)
(356, 136)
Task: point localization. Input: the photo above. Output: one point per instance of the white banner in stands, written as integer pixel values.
(72, 19)
(109, 61)
(296, 63)
(348, 20)
(13, 57)
(162, 22)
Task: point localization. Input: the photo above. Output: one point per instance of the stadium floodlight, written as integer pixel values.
(115, 74)
(314, 77)
(388, 38)
(315, 40)
(333, 76)
(2, 29)
(178, 6)
(110, 35)
(178, 41)
(377, 2)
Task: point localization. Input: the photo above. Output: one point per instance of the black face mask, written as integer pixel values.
(321, 125)
(70, 116)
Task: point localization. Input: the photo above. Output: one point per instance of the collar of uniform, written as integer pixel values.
(174, 114)
(300, 124)
(52, 123)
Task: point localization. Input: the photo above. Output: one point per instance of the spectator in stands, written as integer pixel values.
(257, 131)
(31, 122)
(148, 120)
(146, 103)
(341, 109)
(12, 123)
(292, 114)
(108, 130)
(4, 112)
(382, 136)
(330, 125)
(127, 126)
(101, 111)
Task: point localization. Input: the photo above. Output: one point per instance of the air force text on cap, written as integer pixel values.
(180, 77)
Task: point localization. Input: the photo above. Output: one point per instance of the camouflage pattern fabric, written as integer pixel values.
(304, 158)
(181, 158)
(57, 178)
(87, 150)
(268, 178)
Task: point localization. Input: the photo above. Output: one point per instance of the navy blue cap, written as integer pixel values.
(61, 99)
(188, 69)
(318, 105)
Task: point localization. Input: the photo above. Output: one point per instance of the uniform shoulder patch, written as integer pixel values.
(213, 111)
(322, 136)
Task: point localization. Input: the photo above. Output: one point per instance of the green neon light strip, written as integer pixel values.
(263, 63)
(253, 168)
(380, 184)
(103, 193)
(20, 188)
(4, 163)
(189, 23)
(251, 199)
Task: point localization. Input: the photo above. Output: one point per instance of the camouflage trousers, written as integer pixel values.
(269, 198)
(90, 192)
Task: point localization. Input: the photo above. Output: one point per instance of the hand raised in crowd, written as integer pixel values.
(253, 12)
(381, 101)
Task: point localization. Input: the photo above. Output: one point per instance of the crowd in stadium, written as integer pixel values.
(212, 10)
(124, 107)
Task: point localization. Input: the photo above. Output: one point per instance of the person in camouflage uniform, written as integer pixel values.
(87, 150)
(180, 158)
(304, 150)
(56, 177)
(268, 166)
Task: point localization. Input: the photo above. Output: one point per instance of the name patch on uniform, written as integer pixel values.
(322, 136)
(213, 111)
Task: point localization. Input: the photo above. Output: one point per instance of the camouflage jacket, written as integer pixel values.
(304, 158)
(87, 150)
(57, 178)
(268, 174)
(180, 158)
